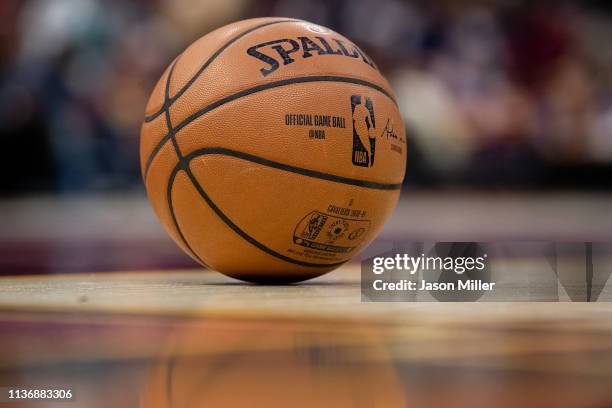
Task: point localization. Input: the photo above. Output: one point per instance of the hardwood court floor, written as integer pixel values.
(214, 342)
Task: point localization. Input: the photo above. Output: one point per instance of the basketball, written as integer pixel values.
(272, 150)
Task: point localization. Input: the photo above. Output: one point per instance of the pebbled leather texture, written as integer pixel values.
(272, 150)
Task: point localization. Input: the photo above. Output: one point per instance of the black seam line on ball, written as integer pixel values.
(180, 158)
(255, 89)
(185, 87)
(185, 166)
(171, 131)
(292, 169)
(173, 215)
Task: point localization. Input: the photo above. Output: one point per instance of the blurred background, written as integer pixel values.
(506, 94)
(498, 96)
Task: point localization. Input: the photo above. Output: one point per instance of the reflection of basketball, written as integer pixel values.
(252, 129)
(258, 364)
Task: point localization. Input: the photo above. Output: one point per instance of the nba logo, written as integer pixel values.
(364, 124)
(312, 229)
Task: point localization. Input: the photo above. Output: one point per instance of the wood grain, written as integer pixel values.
(209, 336)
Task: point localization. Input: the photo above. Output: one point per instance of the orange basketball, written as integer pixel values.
(273, 150)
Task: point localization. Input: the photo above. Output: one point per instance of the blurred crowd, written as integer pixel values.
(513, 94)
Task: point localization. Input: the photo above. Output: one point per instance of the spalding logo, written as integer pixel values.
(287, 48)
